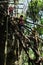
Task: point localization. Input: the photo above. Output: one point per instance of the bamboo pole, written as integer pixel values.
(6, 42)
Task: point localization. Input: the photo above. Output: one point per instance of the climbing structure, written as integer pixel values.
(13, 41)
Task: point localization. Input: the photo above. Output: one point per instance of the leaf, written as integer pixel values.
(31, 54)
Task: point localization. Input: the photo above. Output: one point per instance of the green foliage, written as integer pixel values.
(40, 30)
(35, 6)
(25, 59)
(31, 54)
(34, 9)
(41, 21)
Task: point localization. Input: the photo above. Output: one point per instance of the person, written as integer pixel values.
(21, 23)
(10, 11)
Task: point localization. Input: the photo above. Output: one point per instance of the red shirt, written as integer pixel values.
(10, 9)
(21, 21)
